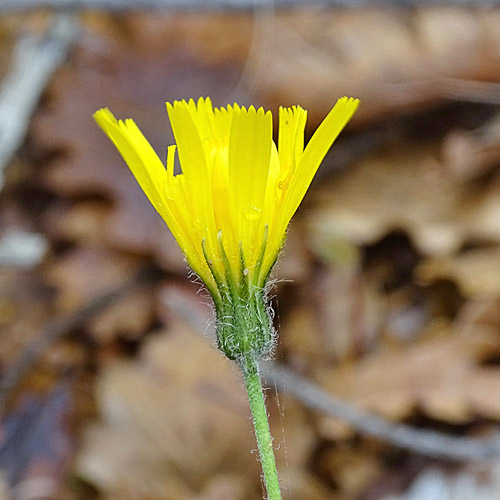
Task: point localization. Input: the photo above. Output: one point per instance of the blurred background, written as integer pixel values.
(387, 294)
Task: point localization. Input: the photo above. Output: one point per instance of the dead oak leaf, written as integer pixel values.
(393, 60)
(169, 421)
(476, 272)
(441, 376)
(85, 273)
(406, 189)
(26, 304)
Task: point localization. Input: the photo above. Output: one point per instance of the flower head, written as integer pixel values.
(237, 191)
(231, 205)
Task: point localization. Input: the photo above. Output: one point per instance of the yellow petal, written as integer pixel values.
(151, 176)
(314, 153)
(248, 168)
(292, 122)
(194, 168)
(136, 151)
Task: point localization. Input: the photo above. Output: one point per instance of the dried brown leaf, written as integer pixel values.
(172, 417)
(82, 274)
(442, 376)
(476, 272)
(393, 59)
(80, 223)
(25, 307)
(407, 188)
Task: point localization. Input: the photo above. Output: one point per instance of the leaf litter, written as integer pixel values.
(387, 292)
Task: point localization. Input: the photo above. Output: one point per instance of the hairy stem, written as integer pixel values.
(250, 369)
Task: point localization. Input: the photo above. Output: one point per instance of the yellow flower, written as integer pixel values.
(231, 205)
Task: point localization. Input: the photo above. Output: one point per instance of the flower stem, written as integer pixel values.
(250, 369)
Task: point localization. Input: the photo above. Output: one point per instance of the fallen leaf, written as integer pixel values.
(441, 376)
(476, 272)
(82, 274)
(350, 469)
(469, 154)
(406, 189)
(392, 59)
(173, 415)
(130, 318)
(83, 223)
(26, 304)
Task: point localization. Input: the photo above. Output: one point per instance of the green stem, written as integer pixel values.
(250, 369)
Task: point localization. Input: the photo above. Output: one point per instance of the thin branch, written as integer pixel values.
(33, 63)
(425, 442)
(141, 5)
(61, 326)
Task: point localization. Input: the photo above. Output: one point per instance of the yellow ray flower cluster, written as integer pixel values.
(231, 205)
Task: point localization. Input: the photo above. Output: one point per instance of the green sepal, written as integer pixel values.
(243, 323)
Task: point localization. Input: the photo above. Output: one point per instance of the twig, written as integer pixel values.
(62, 325)
(426, 442)
(34, 61)
(137, 5)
